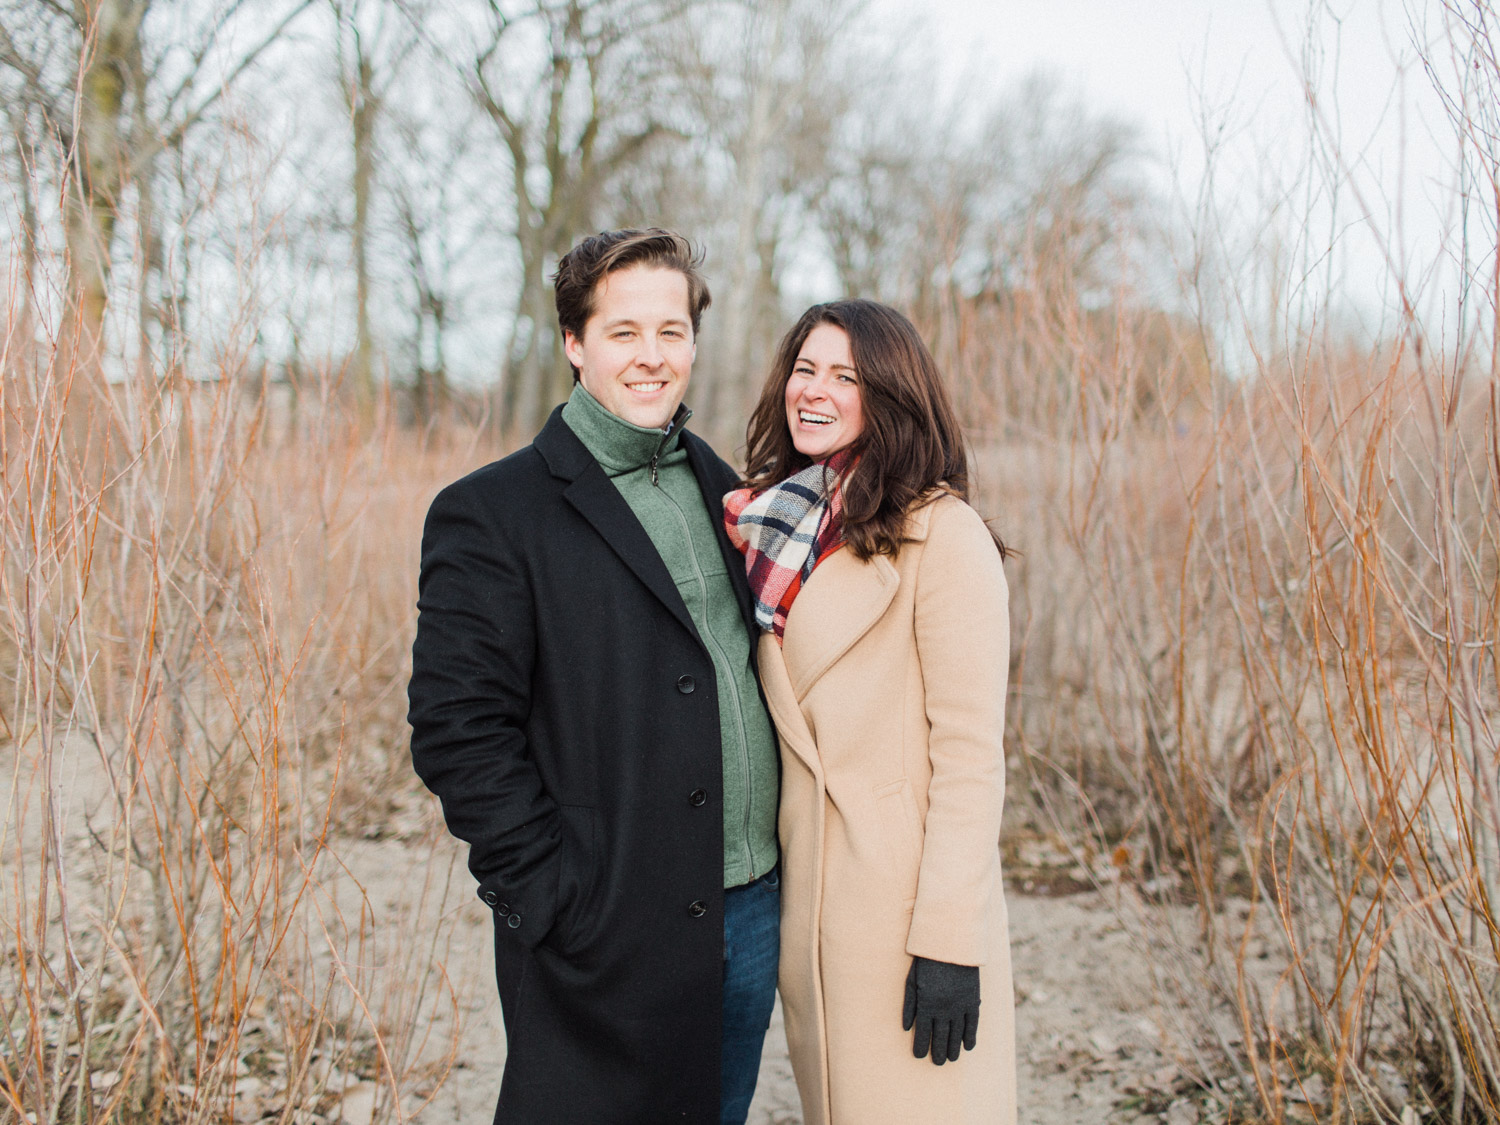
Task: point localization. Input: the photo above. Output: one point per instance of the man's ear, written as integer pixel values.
(573, 349)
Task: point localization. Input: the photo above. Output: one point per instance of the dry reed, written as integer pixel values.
(1256, 664)
(206, 615)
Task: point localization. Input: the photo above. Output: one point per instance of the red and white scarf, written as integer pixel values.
(784, 532)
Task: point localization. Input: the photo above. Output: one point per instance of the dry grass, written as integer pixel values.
(1255, 671)
(1256, 663)
(207, 613)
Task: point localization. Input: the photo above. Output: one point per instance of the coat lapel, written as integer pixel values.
(782, 702)
(713, 483)
(596, 498)
(837, 606)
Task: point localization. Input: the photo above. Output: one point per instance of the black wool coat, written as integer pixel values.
(565, 711)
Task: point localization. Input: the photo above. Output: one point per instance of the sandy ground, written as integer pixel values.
(1087, 1028)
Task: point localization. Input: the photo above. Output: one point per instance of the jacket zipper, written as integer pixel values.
(678, 421)
(683, 414)
(739, 710)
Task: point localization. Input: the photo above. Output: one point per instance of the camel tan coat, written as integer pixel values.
(889, 699)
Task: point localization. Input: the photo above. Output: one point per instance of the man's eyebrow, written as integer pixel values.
(632, 322)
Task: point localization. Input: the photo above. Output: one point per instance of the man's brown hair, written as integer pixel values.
(582, 268)
(909, 445)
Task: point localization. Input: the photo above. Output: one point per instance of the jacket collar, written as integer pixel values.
(792, 724)
(566, 456)
(620, 446)
(841, 602)
(597, 499)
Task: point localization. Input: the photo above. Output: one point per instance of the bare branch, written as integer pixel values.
(176, 133)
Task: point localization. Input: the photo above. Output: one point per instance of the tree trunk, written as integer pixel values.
(25, 323)
(364, 108)
(158, 356)
(745, 266)
(530, 397)
(430, 392)
(548, 221)
(516, 406)
(99, 163)
(99, 157)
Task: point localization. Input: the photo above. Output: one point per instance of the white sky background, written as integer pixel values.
(1170, 66)
(1173, 69)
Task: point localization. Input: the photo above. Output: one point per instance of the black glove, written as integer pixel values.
(942, 1000)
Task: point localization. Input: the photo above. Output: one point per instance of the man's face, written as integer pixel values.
(636, 352)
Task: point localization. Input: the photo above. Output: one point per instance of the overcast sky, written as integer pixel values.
(1168, 65)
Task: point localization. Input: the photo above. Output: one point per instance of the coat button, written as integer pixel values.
(490, 898)
(697, 798)
(686, 684)
(514, 921)
(698, 908)
(503, 910)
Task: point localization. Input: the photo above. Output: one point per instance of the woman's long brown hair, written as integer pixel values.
(910, 444)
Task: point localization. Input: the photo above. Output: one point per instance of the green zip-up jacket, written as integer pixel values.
(670, 507)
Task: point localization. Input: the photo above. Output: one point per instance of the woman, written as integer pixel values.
(883, 656)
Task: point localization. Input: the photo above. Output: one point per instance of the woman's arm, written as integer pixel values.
(963, 643)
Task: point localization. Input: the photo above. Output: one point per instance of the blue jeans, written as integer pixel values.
(752, 949)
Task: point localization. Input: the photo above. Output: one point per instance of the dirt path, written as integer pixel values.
(1086, 1019)
(1084, 1022)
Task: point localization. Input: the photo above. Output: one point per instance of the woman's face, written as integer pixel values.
(822, 396)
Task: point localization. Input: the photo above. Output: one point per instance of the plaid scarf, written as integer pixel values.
(784, 532)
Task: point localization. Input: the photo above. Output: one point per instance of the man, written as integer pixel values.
(583, 702)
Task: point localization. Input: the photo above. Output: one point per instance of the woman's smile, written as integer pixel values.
(823, 408)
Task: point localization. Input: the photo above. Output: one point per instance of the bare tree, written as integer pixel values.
(22, 155)
(372, 44)
(979, 201)
(585, 112)
(121, 102)
(426, 195)
(775, 100)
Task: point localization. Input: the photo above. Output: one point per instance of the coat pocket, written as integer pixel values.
(901, 833)
(577, 878)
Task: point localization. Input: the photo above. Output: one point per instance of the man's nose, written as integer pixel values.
(649, 354)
